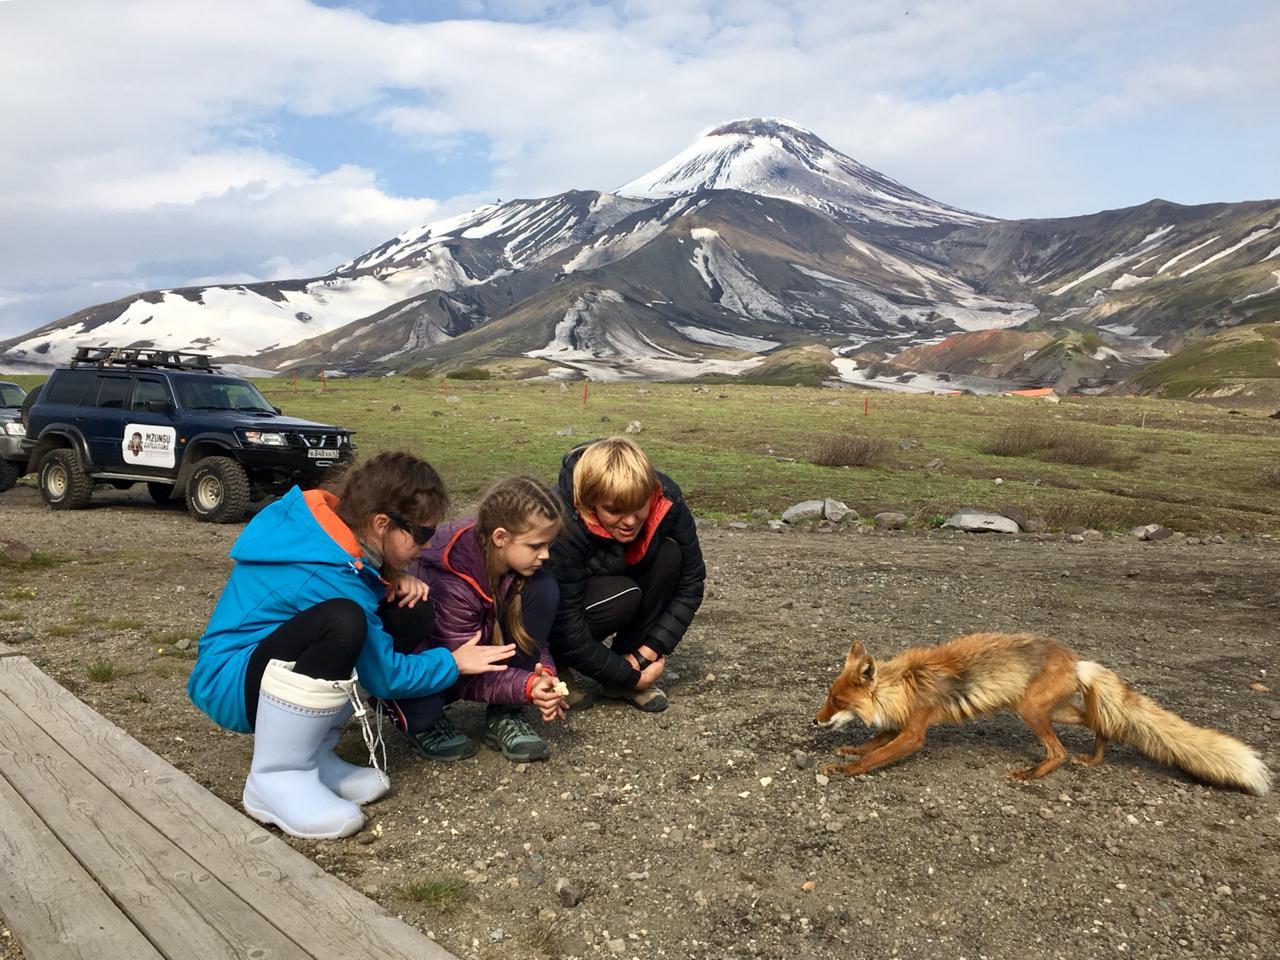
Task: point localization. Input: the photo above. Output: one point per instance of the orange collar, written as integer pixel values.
(448, 565)
(637, 548)
(323, 506)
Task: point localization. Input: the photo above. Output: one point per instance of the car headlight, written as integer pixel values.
(15, 429)
(265, 439)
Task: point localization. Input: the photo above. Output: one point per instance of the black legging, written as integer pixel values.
(629, 605)
(325, 641)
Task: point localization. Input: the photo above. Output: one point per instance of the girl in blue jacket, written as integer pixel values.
(301, 619)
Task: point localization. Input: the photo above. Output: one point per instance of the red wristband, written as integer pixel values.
(528, 687)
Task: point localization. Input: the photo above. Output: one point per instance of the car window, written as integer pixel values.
(67, 386)
(11, 395)
(144, 391)
(113, 392)
(219, 393)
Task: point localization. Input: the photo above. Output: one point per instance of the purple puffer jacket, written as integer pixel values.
(453, 565)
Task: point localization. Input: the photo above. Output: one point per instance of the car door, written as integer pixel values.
(105, 420)
(149, 440)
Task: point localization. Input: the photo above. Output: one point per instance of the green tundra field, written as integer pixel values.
(751, 451)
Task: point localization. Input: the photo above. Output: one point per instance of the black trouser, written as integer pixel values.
(629, 606)
(325, 641)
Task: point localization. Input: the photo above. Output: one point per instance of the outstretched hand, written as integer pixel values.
(473, 658)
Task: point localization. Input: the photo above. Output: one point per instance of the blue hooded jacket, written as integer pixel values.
(293, 555)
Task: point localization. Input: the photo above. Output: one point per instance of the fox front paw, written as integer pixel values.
(852, 750)
(844, 769)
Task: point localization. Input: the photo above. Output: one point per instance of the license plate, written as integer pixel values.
(323, 454)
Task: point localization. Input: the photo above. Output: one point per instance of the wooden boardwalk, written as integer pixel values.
(108, 851)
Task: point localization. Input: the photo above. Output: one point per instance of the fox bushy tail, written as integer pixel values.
(1118, 712)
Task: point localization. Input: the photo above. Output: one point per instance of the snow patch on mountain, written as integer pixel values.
(732, 284)
(1145, 245)
(1185, 253)
(717, 338)
(1251, 238)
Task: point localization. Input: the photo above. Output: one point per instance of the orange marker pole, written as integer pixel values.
(584, 393)
(866, 405)
(294, 379)
(324, 384)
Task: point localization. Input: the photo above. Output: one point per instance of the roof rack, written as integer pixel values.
(142, 357)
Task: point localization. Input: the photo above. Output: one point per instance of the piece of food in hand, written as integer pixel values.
(561, 688)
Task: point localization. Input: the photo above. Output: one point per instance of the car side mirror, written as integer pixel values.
(158, 406)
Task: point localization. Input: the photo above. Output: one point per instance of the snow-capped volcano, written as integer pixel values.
(777, 158)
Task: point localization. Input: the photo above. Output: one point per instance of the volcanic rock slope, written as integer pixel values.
(756, 241)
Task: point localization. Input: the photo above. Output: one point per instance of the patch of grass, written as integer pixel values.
(851, 450)
(39, 559)
(102, 670)
(10, 616)
(64, 630)
(182, 654)
(23, 593)
(470, 373)
(1020, 439)
(436, 893)
(124, 623)
(1086, 449)
(1271, 477)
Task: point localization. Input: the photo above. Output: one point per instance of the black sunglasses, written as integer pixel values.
(420, 532)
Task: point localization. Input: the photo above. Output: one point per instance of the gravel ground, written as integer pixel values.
(706, 831)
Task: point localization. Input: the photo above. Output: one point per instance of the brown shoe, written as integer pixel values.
(650, 699)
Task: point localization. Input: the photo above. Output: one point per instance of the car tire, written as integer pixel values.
(161, 493)
(218, 491)
(63, 481)
(8, 475)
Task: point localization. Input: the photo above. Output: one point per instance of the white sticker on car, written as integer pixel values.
(146, 445)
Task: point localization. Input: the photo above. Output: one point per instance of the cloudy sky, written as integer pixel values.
(156, 143)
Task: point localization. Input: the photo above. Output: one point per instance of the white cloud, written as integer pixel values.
(118, 169)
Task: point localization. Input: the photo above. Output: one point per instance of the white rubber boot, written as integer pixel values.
(351, 782)
(295, 715)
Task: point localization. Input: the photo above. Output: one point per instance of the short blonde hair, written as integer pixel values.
(616, 472)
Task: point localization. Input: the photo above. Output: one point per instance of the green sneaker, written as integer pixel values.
(650, 699)
(440, 741)
(506, 729)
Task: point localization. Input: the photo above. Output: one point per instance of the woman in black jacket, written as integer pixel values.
(628, 565)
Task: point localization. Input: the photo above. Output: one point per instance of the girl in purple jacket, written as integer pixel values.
(486, 578)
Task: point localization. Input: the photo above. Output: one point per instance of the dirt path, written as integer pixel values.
(695, 833)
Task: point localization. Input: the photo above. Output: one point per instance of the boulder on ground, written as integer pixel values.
(15, 551)
(835, 511)
(1035, 525)
(804, 510)
(1151, 531)
(889, 520)
(980, 521)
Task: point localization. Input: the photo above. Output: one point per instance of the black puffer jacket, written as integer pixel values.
(578, 554)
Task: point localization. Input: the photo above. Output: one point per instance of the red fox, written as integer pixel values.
(1044, 683)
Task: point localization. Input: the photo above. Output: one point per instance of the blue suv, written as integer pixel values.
(178, 424)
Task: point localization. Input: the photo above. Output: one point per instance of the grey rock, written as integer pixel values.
(565, 432)
(980, 521)
(1017, 515)
(452, 398)
(1075, 531)
(1076, 537)
(836, 511)
(776, 525)
(738, 525)
(935, 464)
(1151, 531)
(1035, 525)
(394, 408)
(569, 894)
(805, 510)
(15, 551)
(1093, 536)
(888, 520)
(801, 759)
(634, 426)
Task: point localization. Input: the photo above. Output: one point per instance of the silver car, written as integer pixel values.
(13, 460)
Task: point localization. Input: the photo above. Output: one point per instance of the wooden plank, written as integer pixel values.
(54, 908)
(177, 904)
(8, 651)
(317, 911)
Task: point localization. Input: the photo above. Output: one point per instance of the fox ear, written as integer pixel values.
(856, 652)
(867, 671)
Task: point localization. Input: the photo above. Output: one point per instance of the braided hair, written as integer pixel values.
(516, 504)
